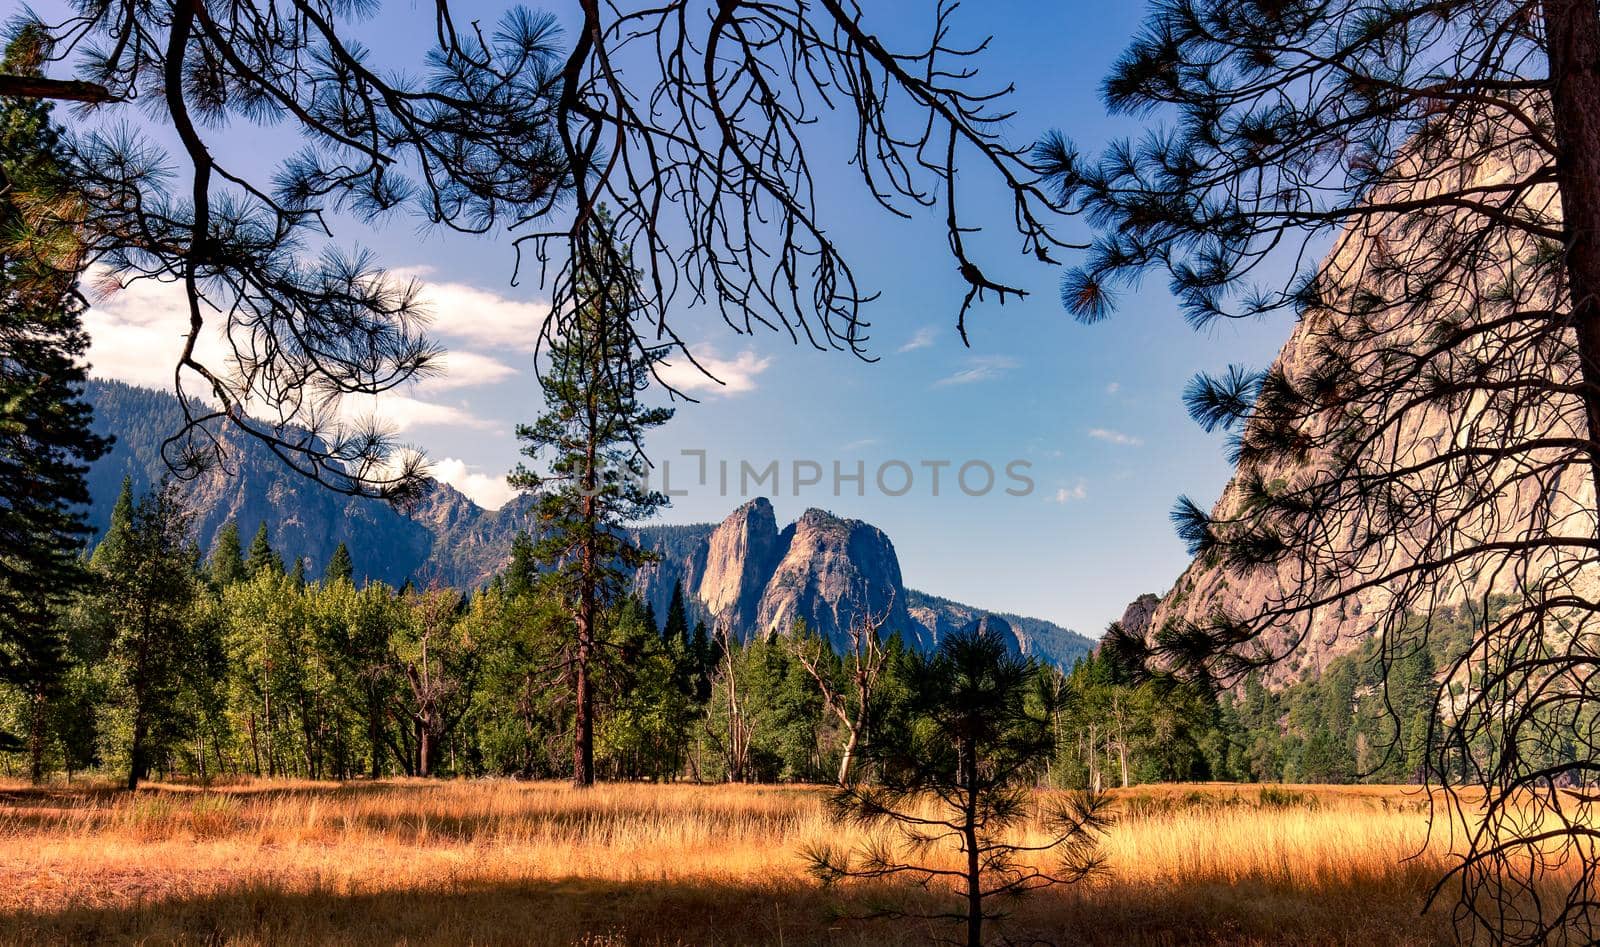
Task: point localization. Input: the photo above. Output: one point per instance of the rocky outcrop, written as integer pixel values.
(742, 554)
(833, 572)
(1140, 614)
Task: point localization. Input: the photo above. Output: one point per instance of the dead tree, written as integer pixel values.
(851, 703)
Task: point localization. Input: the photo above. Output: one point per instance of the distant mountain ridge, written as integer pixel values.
(744, 571)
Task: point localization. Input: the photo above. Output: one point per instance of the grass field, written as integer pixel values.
(505, 862)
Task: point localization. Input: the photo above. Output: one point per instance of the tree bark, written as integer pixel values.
(36, 736)
(1572, 38)
(583, 703)
(969, 838)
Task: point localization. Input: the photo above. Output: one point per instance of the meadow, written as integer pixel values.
(491, 862)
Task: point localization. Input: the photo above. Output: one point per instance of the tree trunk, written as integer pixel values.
(969, 838)
(849, 756)
(424, 749)
(255, 747)
(583, 718)
(136, 762)
(36, 736)
(1572, 35)
(375, 735)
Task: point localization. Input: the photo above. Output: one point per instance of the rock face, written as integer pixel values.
(1413, 429)
(833, 571)
(1140, 614)
(826, 570)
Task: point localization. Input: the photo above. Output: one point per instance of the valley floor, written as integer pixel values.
(491, 862)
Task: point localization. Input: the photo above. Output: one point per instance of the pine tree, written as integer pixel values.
(960, 778)
(226, 564)
(676, 632)
(297, 575)
(148, 583)
(523, 571)
(591, 435)
(705, 660)
(45, 438)
(339, 568)
(262, 558)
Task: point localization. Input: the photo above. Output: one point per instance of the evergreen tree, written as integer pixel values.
(297, 576)
(45, 439)
(226, 564)
(959, 778)
(676, 632)
(703, 654)
(148, 583)
(262, 558)
(523, 570)
(339, 568)
(590, 436)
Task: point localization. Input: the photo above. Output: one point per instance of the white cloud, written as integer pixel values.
(479, 316)
(737, 374)
(1114, 437)
(404, 413)
(460, 369)
(923, 339)
(1114, 387)
(137, 332)
(487, 490)
(1078, 491)
(980, 368)
(136, 335)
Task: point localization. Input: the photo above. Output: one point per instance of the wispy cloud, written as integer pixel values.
(1114, 387)
(1114, 437)
(488, 490)
(980, 368)
(859, 445)
(1078, 491)
(136, 332)
(737, 375)
(476, 316)
(923, 339)
(468, 370)
(404, 413)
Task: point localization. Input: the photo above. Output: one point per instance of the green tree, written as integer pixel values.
(960, 778)
(227, 556)
(677, 627)
(148, 587)
(523, 571)
(340, 568)
(45, 439)
(591, 436)
(262, 557)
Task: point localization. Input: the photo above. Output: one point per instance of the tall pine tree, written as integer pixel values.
(227, 556)
(262, 558)
(45, 437)
(590, 438)
(148, 583)
(339, 568)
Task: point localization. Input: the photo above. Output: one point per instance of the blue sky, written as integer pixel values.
(1094, 410)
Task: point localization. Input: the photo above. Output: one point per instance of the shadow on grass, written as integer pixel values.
(597, 913)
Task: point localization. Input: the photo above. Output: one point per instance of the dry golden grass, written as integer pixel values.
(504, 862)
